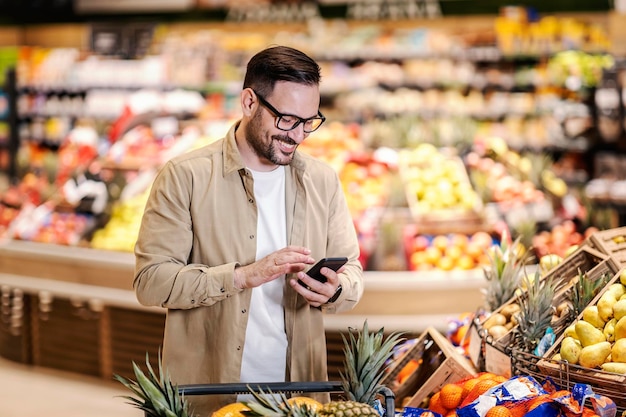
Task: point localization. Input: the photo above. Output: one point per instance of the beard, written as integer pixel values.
(257, 139)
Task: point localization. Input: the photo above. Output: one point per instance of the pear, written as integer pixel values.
(605, 305)
(622, 277)
(595, 355)
(620, 329)
(617, 289)
(619, 309)
(588, 334)
(570, 350)
(618, 351)
(609, 330)
(615, 367)
(570, 331)
(592, 316)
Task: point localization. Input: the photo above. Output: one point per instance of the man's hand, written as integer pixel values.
(288, 260)
(318, 293)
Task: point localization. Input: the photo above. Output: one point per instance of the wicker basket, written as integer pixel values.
(613, 385)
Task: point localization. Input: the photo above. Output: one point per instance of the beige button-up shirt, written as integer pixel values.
(199, 224)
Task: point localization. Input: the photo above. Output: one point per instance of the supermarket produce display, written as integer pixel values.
(483, 173)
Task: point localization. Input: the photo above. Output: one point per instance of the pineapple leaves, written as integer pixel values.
(536, 310)
(154, 394)
(365, 356)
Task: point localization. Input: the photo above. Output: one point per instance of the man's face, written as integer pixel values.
(274, 145)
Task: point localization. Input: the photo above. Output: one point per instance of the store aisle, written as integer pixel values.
(27, 391)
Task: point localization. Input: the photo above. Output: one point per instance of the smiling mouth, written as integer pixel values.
(286, 146)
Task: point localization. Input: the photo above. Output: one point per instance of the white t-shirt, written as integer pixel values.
(265, 348)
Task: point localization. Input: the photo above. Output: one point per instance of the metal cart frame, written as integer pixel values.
(281, 387)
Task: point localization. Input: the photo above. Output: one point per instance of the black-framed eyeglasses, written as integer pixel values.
(287, 122)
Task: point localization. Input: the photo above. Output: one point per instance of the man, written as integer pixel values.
(230, 228)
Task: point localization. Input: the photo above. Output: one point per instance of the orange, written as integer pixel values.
(469, 385)
(466, 262)
(483, 239)
(408, 369)
(231, 410)
(460, 240)
(451, 413)
(445, 263)
(500, 379)
(435, 404)
(454, 252)
(451, 395)
(538, 400)
(440, 242)
(433, 255)
(474, 250)
(499, 411)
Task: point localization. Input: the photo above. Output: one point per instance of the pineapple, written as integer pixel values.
(366, 356)
(585, 289)
(536, 311)
(277, 405)
(504, 274)
(365, 359)
(155, 395)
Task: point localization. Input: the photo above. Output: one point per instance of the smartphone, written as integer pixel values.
(332, 263)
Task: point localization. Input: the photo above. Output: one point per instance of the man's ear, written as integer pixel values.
(249, 101)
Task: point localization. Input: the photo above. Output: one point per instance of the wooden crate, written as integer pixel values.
(440, 363)
(585, 259)
(606, 383)
(611, 242)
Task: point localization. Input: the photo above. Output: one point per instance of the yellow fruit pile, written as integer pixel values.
(598, 339)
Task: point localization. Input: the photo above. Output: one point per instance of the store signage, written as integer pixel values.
(394, 10)
(272, 13)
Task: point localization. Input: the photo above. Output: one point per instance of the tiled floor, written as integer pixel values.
(27, 391)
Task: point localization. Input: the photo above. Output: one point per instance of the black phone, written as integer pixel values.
(332, 263)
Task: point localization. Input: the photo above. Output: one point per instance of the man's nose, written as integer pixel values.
(298, 134)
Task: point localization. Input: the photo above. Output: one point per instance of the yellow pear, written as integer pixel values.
(595, 355)
(617, 289)
(620, 329)
(592, 316)
(615, 367)
(609, 330)
(571, 331)
(618, 351)
(605, 305)
(622, 277)
(547, 262)
(588, 334)
(619, 309)
(570, 350)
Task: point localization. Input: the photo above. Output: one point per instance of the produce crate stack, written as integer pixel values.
(496, 348)
(611, 242)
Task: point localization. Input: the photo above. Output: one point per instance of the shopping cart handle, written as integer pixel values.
(244, 388)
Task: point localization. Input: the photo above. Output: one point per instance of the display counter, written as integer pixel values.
(74, 308)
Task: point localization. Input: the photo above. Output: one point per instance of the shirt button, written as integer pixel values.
(238, 347)
(244, 311)
(250, 201)
(251, 236)
(193, 301)
(222, 290)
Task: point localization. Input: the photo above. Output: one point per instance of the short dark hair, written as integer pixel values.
(280, 63)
